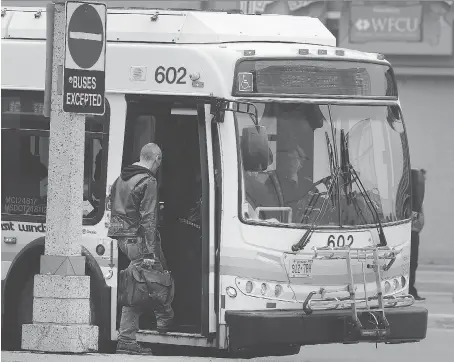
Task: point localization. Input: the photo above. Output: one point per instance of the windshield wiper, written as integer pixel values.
(306, 237)
(332, 178)
(349, 170)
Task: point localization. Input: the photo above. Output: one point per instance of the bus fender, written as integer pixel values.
(24, 252)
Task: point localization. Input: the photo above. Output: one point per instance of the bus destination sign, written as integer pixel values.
(84, 80)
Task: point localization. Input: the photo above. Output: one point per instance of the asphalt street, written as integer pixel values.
(434, 283)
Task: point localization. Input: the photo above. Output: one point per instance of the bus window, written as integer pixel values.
(25, 158)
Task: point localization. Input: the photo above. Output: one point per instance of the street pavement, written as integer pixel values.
(436, 283)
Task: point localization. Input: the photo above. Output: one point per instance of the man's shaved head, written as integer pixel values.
(150, 153)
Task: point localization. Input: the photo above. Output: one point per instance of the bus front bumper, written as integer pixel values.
(252, 328)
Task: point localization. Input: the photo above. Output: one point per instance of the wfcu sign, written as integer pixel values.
(385, 23)
(398, 28)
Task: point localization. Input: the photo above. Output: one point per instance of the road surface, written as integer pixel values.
(436, 284)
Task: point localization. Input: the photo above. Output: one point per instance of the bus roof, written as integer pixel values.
(180, 27)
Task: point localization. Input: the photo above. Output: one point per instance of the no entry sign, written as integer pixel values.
(85, 58)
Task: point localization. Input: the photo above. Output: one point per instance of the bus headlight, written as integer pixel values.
(387, 287)
(249, 287)
(277, 290)
(395, 284)
(263, 288)
(231, 292)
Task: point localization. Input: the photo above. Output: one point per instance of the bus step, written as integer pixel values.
(177, 338)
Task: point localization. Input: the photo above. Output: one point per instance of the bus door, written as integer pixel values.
(185, 184)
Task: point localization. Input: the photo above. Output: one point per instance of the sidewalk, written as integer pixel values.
(32, 357)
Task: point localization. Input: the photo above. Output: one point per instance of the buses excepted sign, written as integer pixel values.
(85, 58)
(370, 23)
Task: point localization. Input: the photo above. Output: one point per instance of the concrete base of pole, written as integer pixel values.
(46, 337)
(61, 316)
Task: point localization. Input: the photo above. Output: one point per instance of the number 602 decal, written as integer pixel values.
(341, 241)
(170, 75)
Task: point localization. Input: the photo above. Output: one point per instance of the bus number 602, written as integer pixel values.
(170, 75)
(340, 242)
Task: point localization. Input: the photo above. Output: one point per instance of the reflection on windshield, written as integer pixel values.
(308, 181)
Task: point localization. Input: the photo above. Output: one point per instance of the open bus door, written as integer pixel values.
(211, 197)
(183, 131)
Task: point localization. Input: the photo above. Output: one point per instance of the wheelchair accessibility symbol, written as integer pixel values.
(245, 82)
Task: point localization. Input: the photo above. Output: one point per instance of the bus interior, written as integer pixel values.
(175, 128)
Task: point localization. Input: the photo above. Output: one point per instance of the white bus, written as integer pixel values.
(296, 149)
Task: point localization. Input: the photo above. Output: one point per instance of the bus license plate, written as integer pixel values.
(300, 268)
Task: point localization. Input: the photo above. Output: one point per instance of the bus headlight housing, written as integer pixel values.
(264, 289)
(394, 285)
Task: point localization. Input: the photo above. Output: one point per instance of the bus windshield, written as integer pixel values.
(312, 150)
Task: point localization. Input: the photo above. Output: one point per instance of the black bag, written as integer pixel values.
(140, 287)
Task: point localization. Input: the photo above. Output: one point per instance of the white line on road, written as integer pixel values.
(435, 281)
(435, 294)
(441, 316)
(85, 36)
(438, 329)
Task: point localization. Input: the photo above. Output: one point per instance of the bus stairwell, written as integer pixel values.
(373, 306)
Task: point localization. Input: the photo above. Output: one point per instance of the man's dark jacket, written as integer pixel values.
(134, 200)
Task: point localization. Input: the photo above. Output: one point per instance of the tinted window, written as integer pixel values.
(25, 157)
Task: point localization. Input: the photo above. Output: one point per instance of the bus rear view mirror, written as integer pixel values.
(255, 149)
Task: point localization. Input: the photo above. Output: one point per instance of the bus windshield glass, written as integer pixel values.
(312, 151)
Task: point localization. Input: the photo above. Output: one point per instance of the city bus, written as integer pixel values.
(292, 152)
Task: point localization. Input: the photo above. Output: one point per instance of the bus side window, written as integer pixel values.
(25, 158)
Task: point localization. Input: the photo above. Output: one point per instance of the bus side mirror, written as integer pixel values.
(255, 149)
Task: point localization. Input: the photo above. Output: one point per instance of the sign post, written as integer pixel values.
(61, 307)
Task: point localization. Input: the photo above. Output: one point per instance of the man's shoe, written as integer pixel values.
(417, 297)
(165, 329)
(132, 348)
